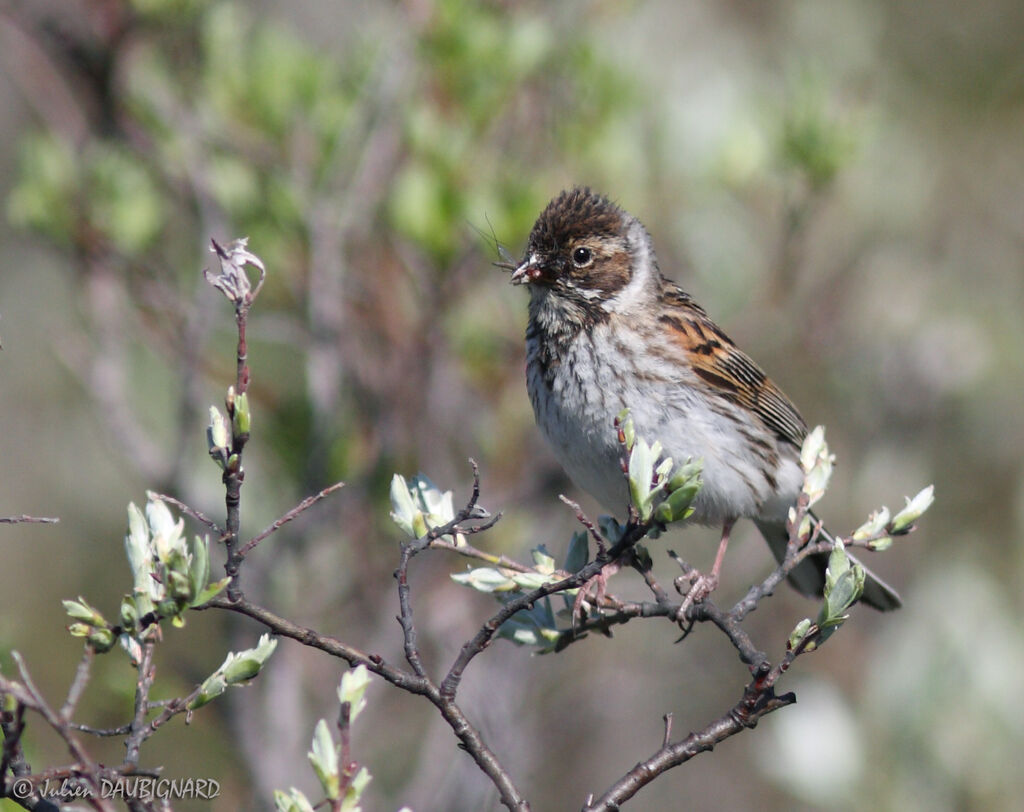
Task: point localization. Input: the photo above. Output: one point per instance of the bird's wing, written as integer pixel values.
(727, 370)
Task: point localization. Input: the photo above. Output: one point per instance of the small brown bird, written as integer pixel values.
(607, 331)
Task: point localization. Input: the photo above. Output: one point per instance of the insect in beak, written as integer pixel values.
(528, 271)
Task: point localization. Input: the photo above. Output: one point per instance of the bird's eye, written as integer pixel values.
(582, 257)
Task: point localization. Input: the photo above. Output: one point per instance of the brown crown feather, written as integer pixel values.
(574, 214)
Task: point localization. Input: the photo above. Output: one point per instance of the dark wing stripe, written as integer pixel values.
(728, 387)
(730, 372)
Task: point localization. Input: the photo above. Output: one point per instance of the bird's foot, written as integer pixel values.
(700, 587)
(593, 591)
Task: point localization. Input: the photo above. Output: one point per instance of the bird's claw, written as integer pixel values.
(700, 587)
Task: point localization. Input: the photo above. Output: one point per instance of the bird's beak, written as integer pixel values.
(527, 272)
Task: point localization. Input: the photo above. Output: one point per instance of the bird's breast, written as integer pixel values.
(578, 389)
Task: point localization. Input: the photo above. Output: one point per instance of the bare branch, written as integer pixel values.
(28, 694)
(139, 729)
(294, 513)
(189, 511)
(78, 684)
(758, 700)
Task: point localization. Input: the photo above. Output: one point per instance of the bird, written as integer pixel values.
(608, 331)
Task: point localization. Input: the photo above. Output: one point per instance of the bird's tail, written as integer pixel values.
(809, 576)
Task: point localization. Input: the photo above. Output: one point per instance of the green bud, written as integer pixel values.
(238, 667)
(485, 579)
(102, 640)
(136, 545)
(353, 689)
(883, 543)
(129, 613)
(817, 463)
(686, 475)
(403, 509)
(844, 583)
(642, 460)
(217, 435)
(876, 522)
(530, 580)
(912, 512)
(295, 802)
(680, 501)
(199, 569)
(210, 591)
(81, 610)
(241, 419)
(798, 634)
(180, 586)
(212, 687)
(324, 758)
(244, 665)
(167, 608)
(355, 790)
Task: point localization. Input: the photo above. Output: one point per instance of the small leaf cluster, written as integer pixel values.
(844, 576)
(418, 506)
(169, 574)
(221, 435)
(237, 669)
(343, 783)
(657, 489)
(879, 529)
(844, 583)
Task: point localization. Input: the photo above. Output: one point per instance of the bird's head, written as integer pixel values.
(587, 253)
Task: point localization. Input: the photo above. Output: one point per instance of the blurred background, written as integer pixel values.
(838, 183)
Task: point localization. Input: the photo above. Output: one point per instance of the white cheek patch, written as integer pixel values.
(644, 270)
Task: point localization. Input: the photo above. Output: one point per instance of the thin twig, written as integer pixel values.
(348, 766)
(469, 551)
(581, 517)
(758, 700)
(101, 732)
(326, 643)
(469, 737)
(25, 519)
(189, 511)
(87, 770)
(449, 685)
(405, 618)
(78, 683)
(139, 730)
(643, 566)
(294, 513)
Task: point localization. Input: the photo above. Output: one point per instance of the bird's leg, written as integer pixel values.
(704, 585)
(722, 545)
